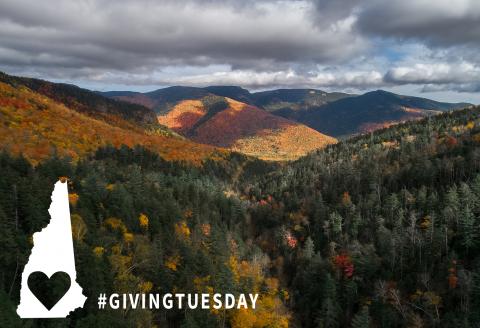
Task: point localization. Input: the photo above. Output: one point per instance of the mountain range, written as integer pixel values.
(39, 118)
(277, 125)
(332, 113)
(223, 121)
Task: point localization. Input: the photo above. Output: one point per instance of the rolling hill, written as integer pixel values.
(368, 112)
(161, 100)
(286, 100)
(272, 101)
(244, 128)
(37, 126)
(205, 115)
(84, 101)
(53, 117)
(233, 92)
(336, 114)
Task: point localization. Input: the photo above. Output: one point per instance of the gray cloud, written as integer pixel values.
(434, 73)
(258, 80)
(127, 35)
(437, 23)
(252, 43)
(458, 87)
(331, 11)
(437, 76)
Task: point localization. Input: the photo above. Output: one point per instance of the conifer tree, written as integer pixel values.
(361, 319)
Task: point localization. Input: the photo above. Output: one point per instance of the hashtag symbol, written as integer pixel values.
(102, 301)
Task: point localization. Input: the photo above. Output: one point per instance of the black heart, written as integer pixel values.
(49, 290)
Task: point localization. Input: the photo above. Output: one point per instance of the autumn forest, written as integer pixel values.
(378, 230)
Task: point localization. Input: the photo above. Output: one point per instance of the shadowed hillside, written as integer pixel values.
(369, 112)
(285, 100)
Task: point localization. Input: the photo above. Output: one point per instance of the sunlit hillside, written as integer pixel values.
(244, 128)
(37, 126)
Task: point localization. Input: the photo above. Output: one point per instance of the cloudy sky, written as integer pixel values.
(429, 48)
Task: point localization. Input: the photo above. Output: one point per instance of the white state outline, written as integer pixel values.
(52, 251)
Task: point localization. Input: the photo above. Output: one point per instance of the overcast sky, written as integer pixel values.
(429, 48)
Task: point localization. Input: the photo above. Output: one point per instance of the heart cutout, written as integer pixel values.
(49, 290)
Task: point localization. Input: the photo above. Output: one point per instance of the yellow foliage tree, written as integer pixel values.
(182, 230)
(172, 262)
(79, 228)
(73, 199)
(128, 237)
(143, 220)
(98, 251)
(145, 286)
(115, 224)
(233, 265)
(269, 312)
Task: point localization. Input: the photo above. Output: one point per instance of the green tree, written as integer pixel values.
(361, 319)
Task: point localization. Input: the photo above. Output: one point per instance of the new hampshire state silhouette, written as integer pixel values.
(52, 252)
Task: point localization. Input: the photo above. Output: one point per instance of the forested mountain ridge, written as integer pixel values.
(83, 100)
(161, 100)
(209, 116)
(382, 229)
(332, 113)
(37, 126)
(368, 112)
(224, 122)
(233, 92)
(285, 100)
(233, 125)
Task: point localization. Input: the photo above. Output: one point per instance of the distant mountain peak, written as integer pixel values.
(229, 123)
(372, 110)
(332, 113)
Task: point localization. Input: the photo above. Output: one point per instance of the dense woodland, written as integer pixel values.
(384, 228)
(381, 230)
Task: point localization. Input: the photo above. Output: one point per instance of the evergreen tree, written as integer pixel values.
(361, 319)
